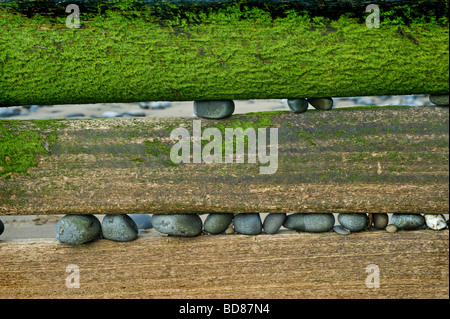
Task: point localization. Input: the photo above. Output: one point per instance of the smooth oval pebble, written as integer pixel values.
(435, 222)
(119, 228)
(341, 230)
(248, 223)
(78, 229)
(298, 105)
(313, 223)
(354, 222)
(214, 109)
(143, 221)
(217, 223)
(380, 221)
(273, 222)
(2, 227)
(324, 104)
(187, 225)
(407, 221)
(391, 228)
(440, 100)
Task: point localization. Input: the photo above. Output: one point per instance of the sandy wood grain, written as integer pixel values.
(392, 160)
(413, 264)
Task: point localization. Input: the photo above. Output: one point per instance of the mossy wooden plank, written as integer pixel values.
(228, 53)
(370, 160)
(411, 264)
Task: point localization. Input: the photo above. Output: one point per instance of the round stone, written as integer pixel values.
(324, 104)
(214, 109)
(380, 221)
(78, 229)
(353, 222)
(408, 221)
(119, 228)
(187, 225)
(313, 223)
(440, 100)
(217, 223)
(2, 227)
(391, 228)
(436, 222)
(143, 221)
(273, 222)
(248, 223)
(341, 230)
(298, 105)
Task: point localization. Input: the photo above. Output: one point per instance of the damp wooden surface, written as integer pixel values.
(411, 264)
(370, 160)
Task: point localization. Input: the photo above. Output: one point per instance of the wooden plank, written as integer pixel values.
(411, 264)
(228, 53)
(368, 160)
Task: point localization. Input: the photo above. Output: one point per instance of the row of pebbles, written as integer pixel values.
(217, 109)
(225, 108)
(79, 229)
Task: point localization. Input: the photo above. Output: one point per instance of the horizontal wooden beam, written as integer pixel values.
(410, 264)
(228, 53)
(369, 160)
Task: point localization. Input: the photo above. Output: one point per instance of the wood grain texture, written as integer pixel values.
(375, 160)
(412, 264)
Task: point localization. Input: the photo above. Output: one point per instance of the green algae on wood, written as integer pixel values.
(379, 159)
(229, 53)
(21, 145)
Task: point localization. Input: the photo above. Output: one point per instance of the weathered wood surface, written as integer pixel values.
(413, 264)
(231, 53)
(369, 160)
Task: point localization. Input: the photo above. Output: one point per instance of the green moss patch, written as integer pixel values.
(124, 54)
(20, 147)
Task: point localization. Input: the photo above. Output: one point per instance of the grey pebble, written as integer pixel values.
(217, 223)
(9, 111)
(273, 222)
(75, 115)
(143, 221)
(341, 230)
(298, 105)
(33, 108)
(109, 114)
(325, 103)
(144, 105)
(134, 113)
(78, 229)
(354, 222)
(380, 221)
(391, 228)
(119, 228)
(214, 109)
(186, 225)
(2, 227)
(248, 223)
(408, 221)
(440, 100)
(313, 223)
(160, 105)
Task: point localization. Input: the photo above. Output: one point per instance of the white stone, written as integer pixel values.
(436, 222)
